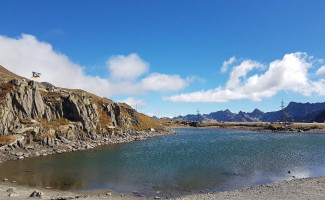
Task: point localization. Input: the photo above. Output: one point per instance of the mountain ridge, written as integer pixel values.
(294, 112)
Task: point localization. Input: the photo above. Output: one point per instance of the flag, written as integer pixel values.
(36, 75)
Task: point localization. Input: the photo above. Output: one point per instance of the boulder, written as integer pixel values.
(36, 193)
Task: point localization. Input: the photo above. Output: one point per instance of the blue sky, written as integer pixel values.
(166, 56)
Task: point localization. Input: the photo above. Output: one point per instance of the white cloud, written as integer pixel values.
(290, 73)
(321, 70)
(226, 64)
(135, 103)
(26, 54)
(240, 71)
(127, 67)
(161, 82)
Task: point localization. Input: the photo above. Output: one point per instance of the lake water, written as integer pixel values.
(192, 161)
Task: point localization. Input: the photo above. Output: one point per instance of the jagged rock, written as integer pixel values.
(65, 141)
(19, 154)
(23, 130)
(36, 193)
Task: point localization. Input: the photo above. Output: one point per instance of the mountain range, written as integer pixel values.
(294, 112)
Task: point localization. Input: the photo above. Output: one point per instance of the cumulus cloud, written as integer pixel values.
(289, 73)
(240, 71)
(135, 103)
(321, 70)
(26, 54)
(226, 64)
(158, 82)
(127, 67)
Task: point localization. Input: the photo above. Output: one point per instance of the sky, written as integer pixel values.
(172, 57)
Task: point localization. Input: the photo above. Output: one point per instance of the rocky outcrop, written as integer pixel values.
(44, 114)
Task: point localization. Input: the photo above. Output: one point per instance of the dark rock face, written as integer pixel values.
(225, 115)
(320, 117)
(257, 114)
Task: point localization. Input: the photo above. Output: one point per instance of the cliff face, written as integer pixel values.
(40, 112)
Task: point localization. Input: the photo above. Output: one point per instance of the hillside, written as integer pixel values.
(32, 112)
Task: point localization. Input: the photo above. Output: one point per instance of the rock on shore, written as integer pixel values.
(297, 189)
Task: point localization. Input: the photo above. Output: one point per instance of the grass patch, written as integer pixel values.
(104, 119)
(5, 88)
(6, 140)
(147, 122)
(54, 124)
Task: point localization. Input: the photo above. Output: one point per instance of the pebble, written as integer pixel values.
(11, 190)
(109, 194)
(19, 154)
(156, 197)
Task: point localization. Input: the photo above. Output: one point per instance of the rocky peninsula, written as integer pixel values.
(38, 119)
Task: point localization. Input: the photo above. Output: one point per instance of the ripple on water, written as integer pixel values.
(192, 161)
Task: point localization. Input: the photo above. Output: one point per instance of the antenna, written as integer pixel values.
(198, 115)
(282, 111)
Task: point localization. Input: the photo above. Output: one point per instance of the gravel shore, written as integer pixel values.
(306, 188)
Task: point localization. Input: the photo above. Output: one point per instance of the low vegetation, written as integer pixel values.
(6, 140)
(146, 123)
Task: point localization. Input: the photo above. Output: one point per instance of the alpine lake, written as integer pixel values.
(193, 161)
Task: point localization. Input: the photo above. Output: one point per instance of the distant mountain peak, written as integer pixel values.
(257, 111)
(227, 111)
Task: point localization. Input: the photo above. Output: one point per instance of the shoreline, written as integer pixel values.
(295, 189)
(304, 128)
(14, 152)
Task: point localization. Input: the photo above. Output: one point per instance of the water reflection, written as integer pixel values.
(195, 160)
